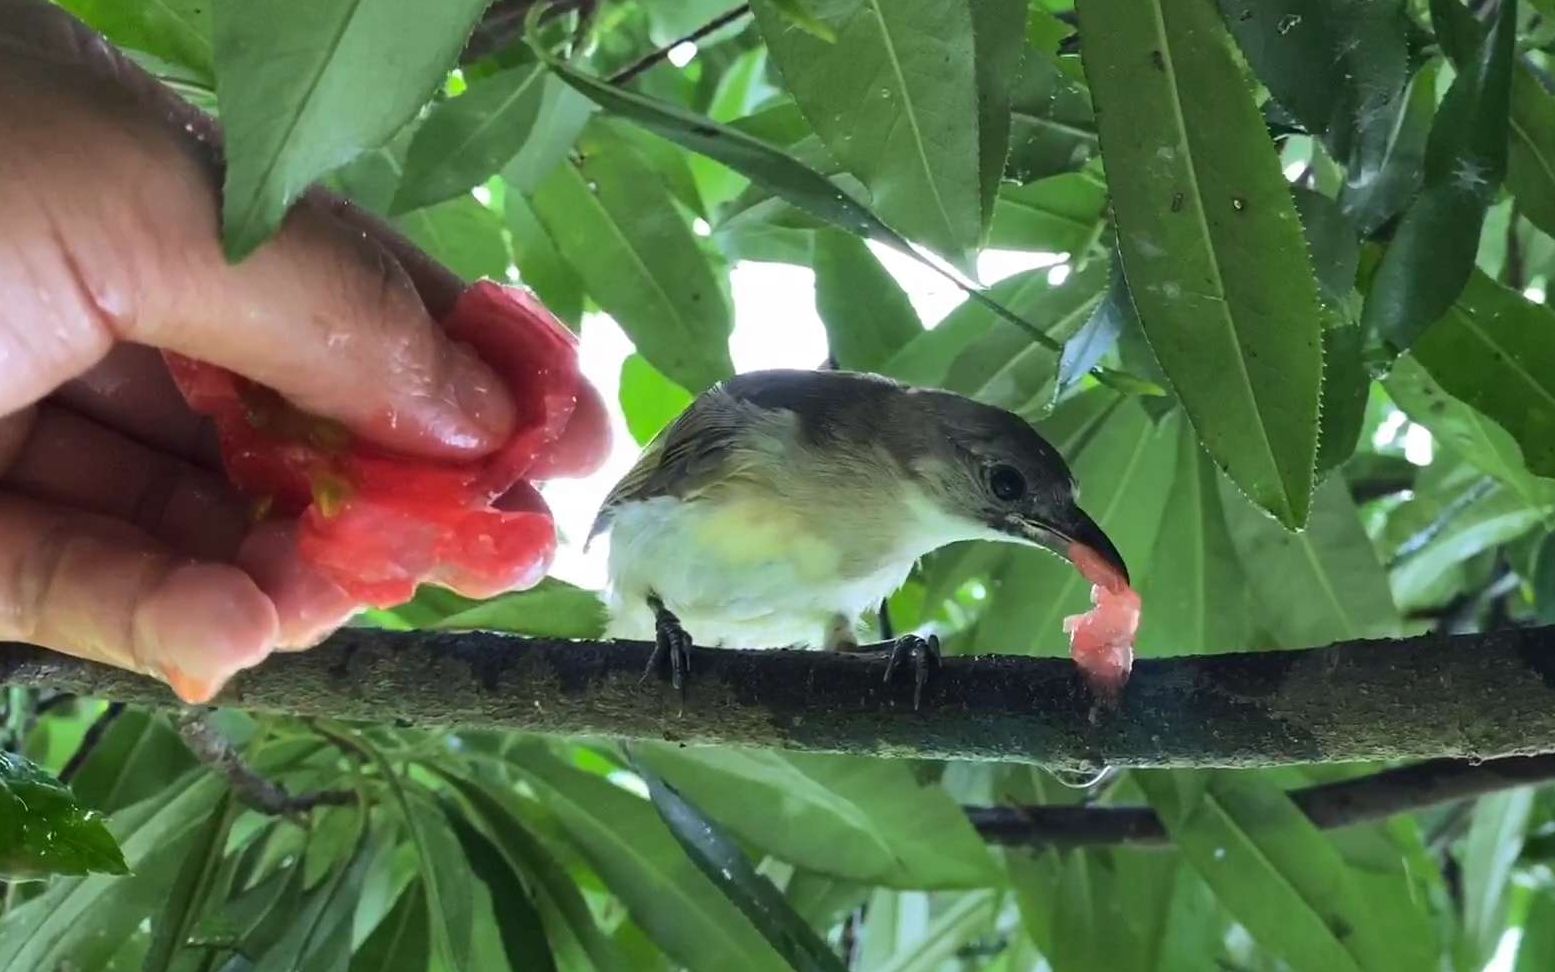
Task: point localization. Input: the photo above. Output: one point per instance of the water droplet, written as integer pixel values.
(1176, 202)
(1238, 203)
(1287, 23)
(593, 186)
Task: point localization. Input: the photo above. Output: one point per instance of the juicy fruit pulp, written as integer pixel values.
(378, 523)
(1101, 641)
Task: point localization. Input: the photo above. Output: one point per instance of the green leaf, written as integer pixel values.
(1482, 520)
(1003, 366)
(136, 757)
(968, 917)
(626, 842)
(1100, 333)
(1543, 580)
(551, 609)
(1337, 66)
(570, 926)
(1318, 586)
(445, 875)
(1126, 910)
(1374, 195)
(465, 140)
(174, 30)
(1059, 214)
(1274, 871)
(1210, 241)
(463, 234)
(649, 400)
(721, 859)
(1052, 126)
(1464, 430)
(998, 36)
(402, 939)
(191, 890)
(44, 829)
(80, 922)
(1530, 161)
(895, 99)
(541, 266)
(1536, 950)
(615, 223)
(1202, 604)
(1432, 252)
(1489, 853)
(865, 820)
(1494, 350)
(518, 922)
(1123, 462)
(320, 935)
(564, 113)
(774, 170)
(306, 88)
(867, 315)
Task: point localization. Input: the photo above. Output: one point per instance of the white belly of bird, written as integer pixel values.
(743, 574)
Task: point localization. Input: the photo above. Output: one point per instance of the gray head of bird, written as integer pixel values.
(989, 469)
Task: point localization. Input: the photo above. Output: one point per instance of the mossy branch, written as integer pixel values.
(1464, 696)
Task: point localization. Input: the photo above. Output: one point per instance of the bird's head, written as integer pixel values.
(989, 469)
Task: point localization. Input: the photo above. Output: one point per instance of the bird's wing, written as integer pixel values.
(691, 453)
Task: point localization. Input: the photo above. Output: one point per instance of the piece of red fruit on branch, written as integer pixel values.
(378, 523)
(1101, 641)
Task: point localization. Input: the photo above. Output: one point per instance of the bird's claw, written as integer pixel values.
(923, 653)
(671, 648)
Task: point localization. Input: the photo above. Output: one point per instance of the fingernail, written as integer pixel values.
(191, 690)
(205, 623)
(481, 396)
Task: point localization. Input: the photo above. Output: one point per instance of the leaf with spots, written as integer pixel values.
(1210, 241)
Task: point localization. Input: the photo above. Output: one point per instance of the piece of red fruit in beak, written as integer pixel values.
(1101, 641)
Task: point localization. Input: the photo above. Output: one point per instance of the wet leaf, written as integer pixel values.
(45, 830)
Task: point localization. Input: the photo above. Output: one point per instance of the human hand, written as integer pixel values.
(120, 539)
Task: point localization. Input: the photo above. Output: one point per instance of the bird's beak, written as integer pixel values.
(1077, 528)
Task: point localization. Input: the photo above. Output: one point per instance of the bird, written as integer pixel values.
(783, 505)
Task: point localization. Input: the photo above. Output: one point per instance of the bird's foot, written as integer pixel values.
(924, 655)
(671, 651)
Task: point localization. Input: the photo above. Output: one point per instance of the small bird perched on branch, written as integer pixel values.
(783, 505)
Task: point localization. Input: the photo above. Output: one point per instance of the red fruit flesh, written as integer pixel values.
(1101, 641)
(377, 523)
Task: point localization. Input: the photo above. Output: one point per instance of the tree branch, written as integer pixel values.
(213, 750)
(654, 57)
(1361, 800)
(1470, 696)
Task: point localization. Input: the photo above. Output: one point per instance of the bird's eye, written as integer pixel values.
(1007, 483)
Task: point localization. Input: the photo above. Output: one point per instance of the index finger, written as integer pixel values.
(326, 313)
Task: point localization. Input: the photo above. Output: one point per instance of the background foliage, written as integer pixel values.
(1295, 233)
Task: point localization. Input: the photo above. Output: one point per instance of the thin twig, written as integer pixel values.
(1360, 800)
(213, 750)
(643, 64)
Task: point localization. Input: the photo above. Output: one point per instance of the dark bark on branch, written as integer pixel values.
(1467, 696)
(1361, 800)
